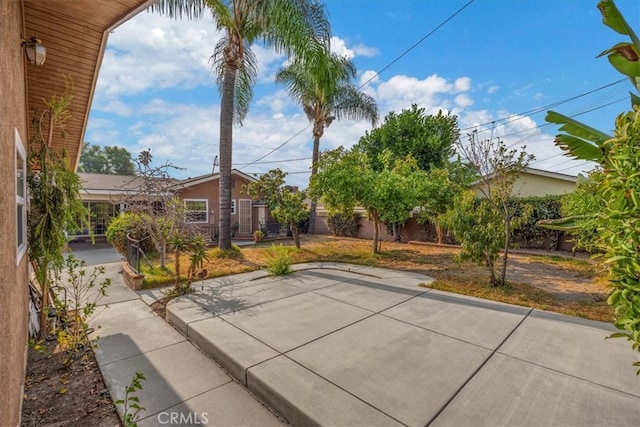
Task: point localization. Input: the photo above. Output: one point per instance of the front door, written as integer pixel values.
(244, 216)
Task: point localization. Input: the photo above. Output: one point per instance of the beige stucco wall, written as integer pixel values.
(13, 280)
(529, 185)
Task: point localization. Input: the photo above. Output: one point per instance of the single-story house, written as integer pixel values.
(537, 182)
(74, 35)
(107, 195)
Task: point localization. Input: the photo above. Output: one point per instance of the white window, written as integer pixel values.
(21, 198)
(197, 210)
(233, 206)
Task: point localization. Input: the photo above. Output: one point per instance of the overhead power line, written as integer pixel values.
(385, 68)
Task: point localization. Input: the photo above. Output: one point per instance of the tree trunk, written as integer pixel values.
(295, 233)
(505, 255)
(318, 129)
(376, 231)
(226, 149)
(177, 255)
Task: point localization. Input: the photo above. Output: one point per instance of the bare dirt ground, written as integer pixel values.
(564, 284)
(59, 396)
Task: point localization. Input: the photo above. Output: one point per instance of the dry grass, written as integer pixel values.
(432, 260)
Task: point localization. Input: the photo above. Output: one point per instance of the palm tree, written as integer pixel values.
(326, 93)
(294, 27)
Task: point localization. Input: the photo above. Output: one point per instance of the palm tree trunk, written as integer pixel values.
(226, 147)
(314, 170)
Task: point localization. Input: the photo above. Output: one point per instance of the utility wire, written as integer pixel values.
(413, 46)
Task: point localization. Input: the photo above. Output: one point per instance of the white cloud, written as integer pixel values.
(339, 47)
(363, 50)
(157, 52)
(463, 101)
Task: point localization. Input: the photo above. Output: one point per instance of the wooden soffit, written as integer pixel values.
(74, 33)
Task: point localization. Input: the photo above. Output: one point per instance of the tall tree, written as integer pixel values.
(430, 139)
(326, 93)
(110, 160)
(295, 27)
(345, 179)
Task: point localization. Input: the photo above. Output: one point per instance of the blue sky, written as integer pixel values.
(496, 61)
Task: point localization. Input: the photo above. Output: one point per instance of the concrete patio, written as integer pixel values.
(347, 345)
(338, 345)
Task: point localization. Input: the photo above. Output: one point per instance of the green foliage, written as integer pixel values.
(429, 139)
(286, 206)
(55, 204)
(439, 191)
(132, 224)
(81, 292)
(532, 210)
(344, 224)
(583, 206)
(480, 230)
(279, 260)
(110, 160)
(346, 179)
(619, 225)
(131, 402)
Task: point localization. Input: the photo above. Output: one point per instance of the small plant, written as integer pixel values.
(131, 402)
(234, 229)
(279, 260)
(258, 235)
(81, 292)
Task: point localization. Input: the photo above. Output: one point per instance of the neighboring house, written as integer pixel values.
(201, 196)
(537, 182)
(107, 195)
(74, 34)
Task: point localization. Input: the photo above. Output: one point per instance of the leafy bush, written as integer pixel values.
(132, 224)
(344, 224)
(540, 208)
(279, 260)
(583, 205)
(480, 231)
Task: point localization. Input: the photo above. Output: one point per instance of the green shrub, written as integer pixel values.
(132, 224)
(279, 259)
(540, 208)
(344, 224)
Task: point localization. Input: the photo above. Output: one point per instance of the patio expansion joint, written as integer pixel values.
(475, 372)
(547, 368)
(343, 389)
(147, 352)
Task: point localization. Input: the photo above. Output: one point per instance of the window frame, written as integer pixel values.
(21, 197)
(206, 210)
(233, 207)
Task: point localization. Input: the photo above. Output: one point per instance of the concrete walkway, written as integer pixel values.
(183, 386)
(346, 345)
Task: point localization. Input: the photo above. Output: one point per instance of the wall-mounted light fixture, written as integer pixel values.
(36, 53)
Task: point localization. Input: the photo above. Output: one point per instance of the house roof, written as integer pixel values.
(75, 35)
(100, 184)
(540, 172)
(189, 182)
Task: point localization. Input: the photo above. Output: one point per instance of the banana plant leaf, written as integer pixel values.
(567, 224)
(580, 141)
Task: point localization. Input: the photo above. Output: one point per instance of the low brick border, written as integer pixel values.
(131, 278)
